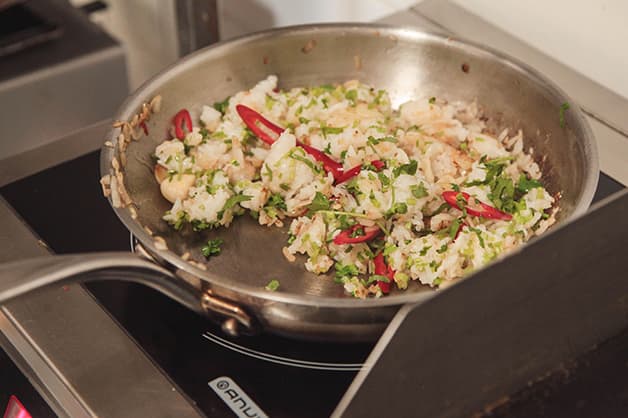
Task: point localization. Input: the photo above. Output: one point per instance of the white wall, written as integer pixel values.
(589, 36)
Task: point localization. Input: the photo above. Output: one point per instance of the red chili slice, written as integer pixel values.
(382, 269)
(256, 123)
(378, 164)
(352, 172)
(329, 165)
(368, 233)
(475, 208)
(251, 118)
(183, 116)
(144, 127)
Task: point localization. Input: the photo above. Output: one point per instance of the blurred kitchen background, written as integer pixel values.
(589, 36)
(68, 64)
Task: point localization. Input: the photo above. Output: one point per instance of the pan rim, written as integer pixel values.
(141, 94)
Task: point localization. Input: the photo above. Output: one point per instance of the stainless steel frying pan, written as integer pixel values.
(230, 287)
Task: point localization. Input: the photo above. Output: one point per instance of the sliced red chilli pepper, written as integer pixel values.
(256, 123)
(183, 116)
(348, 236)
(329, 165)
(475, 207)
(381, 269)
(352, 172)
(144, 127)
(378, 164)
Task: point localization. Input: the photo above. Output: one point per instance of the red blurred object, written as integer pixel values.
(181, 118)
(368, 233)
(262, 127)
(475, 208)
(15, 409)
(382, 269)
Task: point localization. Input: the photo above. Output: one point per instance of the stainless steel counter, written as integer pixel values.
(80, 360)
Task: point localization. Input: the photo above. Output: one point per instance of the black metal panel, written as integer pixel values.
(488, 337)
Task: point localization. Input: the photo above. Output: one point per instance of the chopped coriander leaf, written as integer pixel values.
(222, 106)
(303, 120)
(525, 184)
(437, 281)
(440, 209)
(398, 208)
(346, 270)
(357, 232)
(269, 102)
(424, 250)
(268, 172)
(561, 113)
(198, 225)
(377, 278)
(352, 96)
(442, 249)
(327, 130)
(455, 187)
(409, 169)
(385, 180)
(454, 228)
(374, 141)
(181, 219)
(346, 221)
(418, 190)
(212, 247)
(299, 155)
(234, 200)
(432, 100)
(389, 249)
(478, 232)
(272, 285)
(352, 187)
(249, 136)
(204, 133)
(320, 202)
(327, 149)
(276, 201)
(503, 194)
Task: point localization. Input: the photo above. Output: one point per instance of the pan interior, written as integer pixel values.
(406, 63)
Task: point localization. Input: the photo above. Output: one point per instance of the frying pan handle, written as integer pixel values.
(20, 277)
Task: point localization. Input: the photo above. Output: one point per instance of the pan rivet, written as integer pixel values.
(230, 327)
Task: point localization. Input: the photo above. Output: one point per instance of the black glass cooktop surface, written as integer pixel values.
(285, 378)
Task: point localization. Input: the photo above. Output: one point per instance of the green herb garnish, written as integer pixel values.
(418, 190)
(561, 113)
(320, 202)
(525, 184)
(234, 200)
(326, 130)
(352, 96)
(222, 106)
(272, 285)
(409, 169)
(212, 247)
(454, 228)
